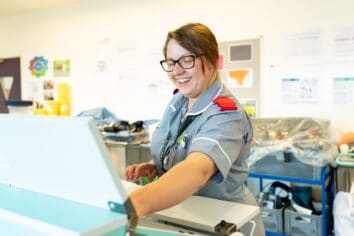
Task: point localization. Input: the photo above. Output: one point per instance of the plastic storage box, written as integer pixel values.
(298, 224)
(273, 219)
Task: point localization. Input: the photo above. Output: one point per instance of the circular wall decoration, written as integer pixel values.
(38, 66)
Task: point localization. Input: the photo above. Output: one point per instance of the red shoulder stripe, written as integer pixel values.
(225, 103)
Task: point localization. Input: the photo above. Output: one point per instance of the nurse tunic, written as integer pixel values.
(223, 135)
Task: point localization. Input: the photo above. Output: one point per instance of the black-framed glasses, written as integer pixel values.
(186, 62)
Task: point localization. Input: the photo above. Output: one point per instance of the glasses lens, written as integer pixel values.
(167, 65)
(187, 62)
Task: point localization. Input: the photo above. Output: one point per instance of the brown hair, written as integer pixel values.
(196, 38)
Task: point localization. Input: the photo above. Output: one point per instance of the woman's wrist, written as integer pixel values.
(138, 203)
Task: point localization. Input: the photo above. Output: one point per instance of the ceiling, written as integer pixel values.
(20, 7)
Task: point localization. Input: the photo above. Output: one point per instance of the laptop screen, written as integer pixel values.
(63, 157)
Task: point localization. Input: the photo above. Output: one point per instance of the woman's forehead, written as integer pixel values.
(175, 50)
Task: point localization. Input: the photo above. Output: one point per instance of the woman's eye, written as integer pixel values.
(170, 63)
(187, 59)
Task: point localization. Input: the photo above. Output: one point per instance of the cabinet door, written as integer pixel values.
(137, 154)
(145, 154)
(132, 154)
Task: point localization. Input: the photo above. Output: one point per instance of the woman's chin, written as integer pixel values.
(185, 93)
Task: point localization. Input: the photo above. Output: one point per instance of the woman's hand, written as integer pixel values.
(174, 186)
(136, 171)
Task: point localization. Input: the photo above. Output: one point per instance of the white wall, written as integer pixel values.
(87, 31)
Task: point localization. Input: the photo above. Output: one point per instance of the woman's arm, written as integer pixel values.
(174, 186)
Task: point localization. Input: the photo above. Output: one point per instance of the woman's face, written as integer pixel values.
(190, 82)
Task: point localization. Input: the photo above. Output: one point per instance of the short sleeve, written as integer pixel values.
(221, 138)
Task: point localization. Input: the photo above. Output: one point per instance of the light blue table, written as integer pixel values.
(33, 214)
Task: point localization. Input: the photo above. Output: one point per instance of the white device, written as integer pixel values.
(66, 157)
(63, 157)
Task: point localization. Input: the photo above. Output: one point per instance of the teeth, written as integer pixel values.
(183, 80)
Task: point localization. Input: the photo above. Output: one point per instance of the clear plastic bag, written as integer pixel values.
(310, 140)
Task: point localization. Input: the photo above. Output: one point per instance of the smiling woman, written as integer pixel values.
(203, 139)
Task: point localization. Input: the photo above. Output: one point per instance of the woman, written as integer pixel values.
(203, 139)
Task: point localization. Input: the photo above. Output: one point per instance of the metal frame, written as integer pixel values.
(321, 182)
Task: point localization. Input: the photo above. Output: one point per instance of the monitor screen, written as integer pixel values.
(64, 157)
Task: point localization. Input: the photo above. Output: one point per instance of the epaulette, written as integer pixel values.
(225, 103)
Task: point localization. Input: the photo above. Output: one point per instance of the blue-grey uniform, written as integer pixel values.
(224, 136)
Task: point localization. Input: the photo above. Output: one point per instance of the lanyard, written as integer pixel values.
(166, 148)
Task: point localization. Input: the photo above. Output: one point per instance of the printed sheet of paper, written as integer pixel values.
(343, 88)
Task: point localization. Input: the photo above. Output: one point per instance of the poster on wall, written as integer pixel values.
(299, 90)
(343, 89)
(239, 78)
(303, 44)
(38, 66)
(61, 68)
(48, 89)
(343, 41)
(239, 69)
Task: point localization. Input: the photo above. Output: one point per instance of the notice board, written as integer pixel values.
(239, 69)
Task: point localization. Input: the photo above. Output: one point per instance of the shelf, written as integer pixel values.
(327, 173)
